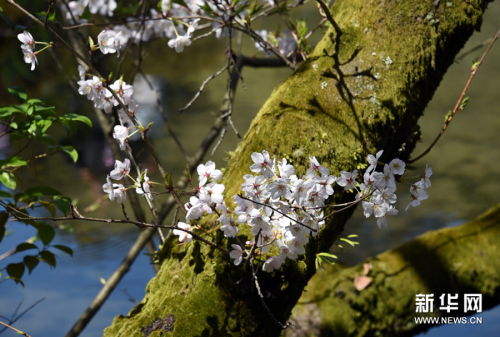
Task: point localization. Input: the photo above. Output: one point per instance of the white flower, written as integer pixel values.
(132, 108)
(347, 179)
(418, 193)
(389, 210)
(179, 42)
(146, 187)
(373, 160)
(183, 235)
(428, 174)
(262, 163)
(115, 191)
(123, 90)
(236, 254)
(280, 188)
(212, 193)
(386, 179)
(397, 166)
(120, 133)
(208, 172)
(109, 41)
(228, 226)
(81, 72)
(27, 40)
(192, 26)
(30, 57)
(121, 169)
(193, 208)
(273, 263)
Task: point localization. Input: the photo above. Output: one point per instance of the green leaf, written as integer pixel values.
(464, 102)
(38, 191)
(46, 138)
(62, 203)
(30, 262)
(3, 221)
(19, 93)
(49, 206)
(7, 112)
(79, 118)
(4, 194)
(65, 249)
(25, 246)
(46, 233)
(48, 257)
(71, 151)
(15, 271)
(7, 178)
(12, 162)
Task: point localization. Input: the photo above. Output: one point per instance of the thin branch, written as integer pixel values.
(459, 102)
(19, 332)
(254, 275)
(329, 16)
(202, 87)
(22, 216)
(164, 115)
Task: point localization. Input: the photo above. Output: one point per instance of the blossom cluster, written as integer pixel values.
(28, 48)
(165, 24)
(102, 97)
(284, 210)
(281, 209)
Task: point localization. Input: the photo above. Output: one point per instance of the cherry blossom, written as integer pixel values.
(183, 235)
(120, 133)
(179, 42)
(121, 169)
(237, 254)
(109, 41)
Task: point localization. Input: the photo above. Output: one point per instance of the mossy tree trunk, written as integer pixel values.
(357, 93)
(459, 260)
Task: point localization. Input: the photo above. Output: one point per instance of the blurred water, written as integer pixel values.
(465, 182)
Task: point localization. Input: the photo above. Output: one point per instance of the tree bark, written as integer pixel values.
(459, 260)
(359, 91)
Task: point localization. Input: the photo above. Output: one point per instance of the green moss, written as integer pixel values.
(462, 259)
(367, 104)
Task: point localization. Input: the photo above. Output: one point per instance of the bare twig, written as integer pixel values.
(211, 77)
(459, 102)
(254, 275)
(22, 216)
(19, 332)
(329, 16)
(164, 115)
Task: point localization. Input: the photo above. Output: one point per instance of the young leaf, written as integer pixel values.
(15, 271)
(12, 162)
(65, 249)
(71, 151)
(7, 178)
(30, 262)
(4, 194)
(19, 93)
(25, 246)
(48, 257)
(46, 233)
(79, 118)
